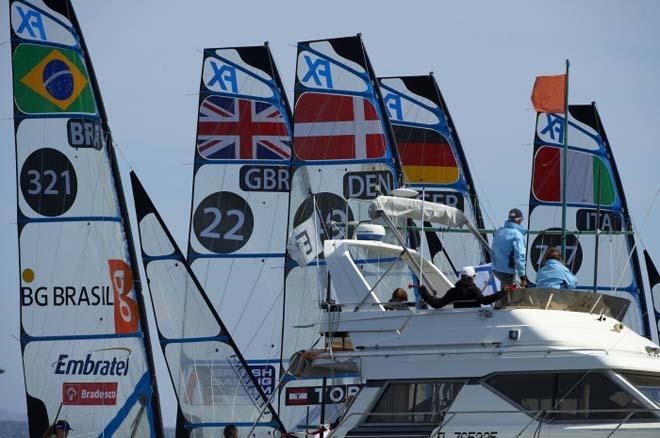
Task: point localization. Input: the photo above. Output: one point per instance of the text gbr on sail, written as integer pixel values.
(264, 178)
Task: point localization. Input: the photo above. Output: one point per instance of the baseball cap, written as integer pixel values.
(514, 213)
(468, 271)
(63, 425)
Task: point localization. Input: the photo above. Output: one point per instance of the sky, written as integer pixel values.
(485, 56)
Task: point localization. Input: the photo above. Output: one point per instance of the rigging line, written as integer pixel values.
(487, 209)
(645, 313)
(256, 332)
(121, 153)
(248, 91)
(632, 250)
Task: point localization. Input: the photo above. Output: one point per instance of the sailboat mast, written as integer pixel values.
(389, 132)
(564, 169)
(598, 188)
(116, 176)
(465, 167)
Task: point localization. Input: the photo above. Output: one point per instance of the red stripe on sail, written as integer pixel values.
(426, 154)
(336, 147)
(318, 107)
(546, 177)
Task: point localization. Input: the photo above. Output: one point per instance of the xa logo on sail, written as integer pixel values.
(316, 69)
(31, 23)
(223, 76)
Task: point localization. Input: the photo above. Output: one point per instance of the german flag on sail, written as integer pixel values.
(426, 155)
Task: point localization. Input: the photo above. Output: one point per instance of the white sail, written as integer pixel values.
(342, 156)
(435, 164)
(240, 200)
(212, 381)
(86, 352)
(595, 200)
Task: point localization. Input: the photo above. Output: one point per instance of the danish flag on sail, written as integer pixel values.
(335, 127)
(232, 128)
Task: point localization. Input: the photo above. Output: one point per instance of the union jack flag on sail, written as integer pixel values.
(233, 128)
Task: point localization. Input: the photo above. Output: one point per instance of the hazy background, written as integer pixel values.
(485, 55)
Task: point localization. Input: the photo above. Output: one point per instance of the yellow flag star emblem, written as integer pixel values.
(56, 79)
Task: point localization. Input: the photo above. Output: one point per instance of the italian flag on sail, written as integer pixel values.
(581, 177)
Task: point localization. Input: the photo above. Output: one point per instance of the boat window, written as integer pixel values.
(420, 402)
(383, 271)
(568, 396)
(647, 384)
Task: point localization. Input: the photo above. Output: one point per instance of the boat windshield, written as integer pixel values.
(383, 271)
(647, 384)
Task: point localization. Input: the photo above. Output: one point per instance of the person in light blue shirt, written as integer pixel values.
(508, 252)
(554, 274)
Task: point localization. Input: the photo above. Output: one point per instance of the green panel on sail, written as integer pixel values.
(343, 157)
(212, 381)
(85, 342)
(434, 163)
(594, 196)
(240, 200)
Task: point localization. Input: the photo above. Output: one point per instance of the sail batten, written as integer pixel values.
(86, 350)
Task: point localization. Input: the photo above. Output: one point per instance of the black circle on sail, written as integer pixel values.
(543, 242)
(223, 222)
(48, 182)
(331, 208)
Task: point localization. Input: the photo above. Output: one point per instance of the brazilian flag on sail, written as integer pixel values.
(51, 80)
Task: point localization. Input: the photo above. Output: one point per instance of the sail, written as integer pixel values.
(342, 151)
(84, 335)
(213, 384)
(654, 284)
(595, 200)
(434, 164)
(241, 198)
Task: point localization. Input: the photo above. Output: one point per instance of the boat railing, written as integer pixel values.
(536, 298)
(541, 416)
(567, 300)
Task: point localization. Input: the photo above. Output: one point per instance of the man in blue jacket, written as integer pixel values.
(509, 253)
(554, 274)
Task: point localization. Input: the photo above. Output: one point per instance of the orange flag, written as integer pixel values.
(549, 94)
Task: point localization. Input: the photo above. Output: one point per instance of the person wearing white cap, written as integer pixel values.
(465, 293)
